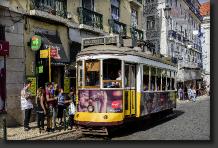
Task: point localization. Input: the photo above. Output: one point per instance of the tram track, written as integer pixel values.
(136, 126)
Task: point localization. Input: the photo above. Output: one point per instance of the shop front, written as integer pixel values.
(57, 63)
(189, 77)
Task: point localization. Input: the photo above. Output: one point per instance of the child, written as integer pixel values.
(40, 106)
(71, 108)
(61, 105)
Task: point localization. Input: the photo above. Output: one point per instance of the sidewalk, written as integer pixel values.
(18, 133)
(178, 101)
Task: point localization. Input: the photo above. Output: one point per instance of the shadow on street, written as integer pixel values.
(144, 124)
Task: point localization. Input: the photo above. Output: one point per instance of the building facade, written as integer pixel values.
(31, 26)
(177, 36)
(205, 12)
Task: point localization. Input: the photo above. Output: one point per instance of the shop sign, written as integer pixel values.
(44, 53)
(33, 84)
(4, 48)
(36, 42)
(66, 85)
(40, 69)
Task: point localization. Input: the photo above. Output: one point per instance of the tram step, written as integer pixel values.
(94, 131)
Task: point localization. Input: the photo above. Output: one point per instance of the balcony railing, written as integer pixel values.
(118, 27)
(194, 10)
(90, 18)
(174, 60)
(55, 7)
(138, 33)
(140, 1)
(172, 33)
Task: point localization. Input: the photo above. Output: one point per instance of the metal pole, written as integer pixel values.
(65, 126)
(49, 63)
(4, 129)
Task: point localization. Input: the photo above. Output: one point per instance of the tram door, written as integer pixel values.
(130, 89)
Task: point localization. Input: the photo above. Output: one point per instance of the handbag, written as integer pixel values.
(72, 109)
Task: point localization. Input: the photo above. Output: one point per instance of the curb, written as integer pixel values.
(55, 135)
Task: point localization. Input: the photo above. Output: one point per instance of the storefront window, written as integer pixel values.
(80, 73)
(112, 73)
(145, 78)
(92, 72)
(153, 79)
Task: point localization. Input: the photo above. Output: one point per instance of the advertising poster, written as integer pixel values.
(33, 85)
(66, 85)
(152, 102)
(100, 101)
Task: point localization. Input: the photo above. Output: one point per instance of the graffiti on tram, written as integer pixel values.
(153, 102)
(100, 101)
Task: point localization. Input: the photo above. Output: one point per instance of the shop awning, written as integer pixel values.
(58, 55)
(188, 74)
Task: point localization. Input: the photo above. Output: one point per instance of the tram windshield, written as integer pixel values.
(112, 73)
(92, 73)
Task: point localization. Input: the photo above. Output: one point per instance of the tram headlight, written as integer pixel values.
(90, 108)
(105, 117)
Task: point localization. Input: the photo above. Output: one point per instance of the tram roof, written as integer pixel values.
(112, 49)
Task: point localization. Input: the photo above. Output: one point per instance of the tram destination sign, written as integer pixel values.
(100, 41)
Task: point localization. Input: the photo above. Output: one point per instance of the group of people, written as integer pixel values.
(187, 93)
(50, 103)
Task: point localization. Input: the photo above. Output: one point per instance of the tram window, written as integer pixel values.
(92, 68)
(129, 80)
(168, 81)
(145, 78)
(153, 78)
(112, 74)
(80, 71)
(158, 79)
(173, 80)
(163, 80)
(127, 75)
(173, 83)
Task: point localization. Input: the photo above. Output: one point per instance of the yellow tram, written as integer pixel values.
(115, 83)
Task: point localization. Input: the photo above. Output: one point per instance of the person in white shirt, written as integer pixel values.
(26, 104)
(118, 84)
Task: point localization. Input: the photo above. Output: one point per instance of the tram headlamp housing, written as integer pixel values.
(105, 117)
(90, 108)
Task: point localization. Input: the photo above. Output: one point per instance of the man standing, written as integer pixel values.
(26, 104)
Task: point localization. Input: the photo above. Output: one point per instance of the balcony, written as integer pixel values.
(117, 27)
(194, 10)
(136, 2)
(138, 34)
(172, 34)
(56, 7)
(174, 60)
(90, 18)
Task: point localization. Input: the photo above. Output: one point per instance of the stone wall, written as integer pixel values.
(14, 64)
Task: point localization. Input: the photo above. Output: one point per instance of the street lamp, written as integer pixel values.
(167, 10)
